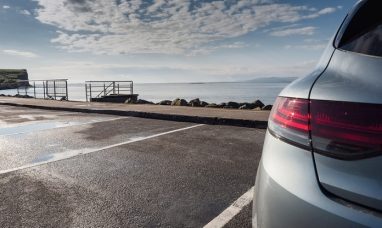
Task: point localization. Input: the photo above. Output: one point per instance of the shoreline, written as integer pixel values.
(256, 105)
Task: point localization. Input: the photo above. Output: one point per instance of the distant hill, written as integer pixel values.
(9, 77)
(273, 80)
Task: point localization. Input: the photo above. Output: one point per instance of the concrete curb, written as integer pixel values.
(171, 117)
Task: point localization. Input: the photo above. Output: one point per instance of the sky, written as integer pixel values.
(153, 41)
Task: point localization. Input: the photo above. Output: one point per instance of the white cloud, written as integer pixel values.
(6, 7)
(25, 54)
(313, 47)
(165, 26)
(304, 31)
(208, 49)
(322, 12)
(310, 44)
(25, 12)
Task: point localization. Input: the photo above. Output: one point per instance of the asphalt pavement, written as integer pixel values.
(67, 169)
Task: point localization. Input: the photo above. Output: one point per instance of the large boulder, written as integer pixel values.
(212, 105)
(194, 103)
(222, 105)
(258, 103)
(232, 105)
(247, 106)
(141, 101)
(203, 104)
(179, 102)
(165, 102)
(268, 107)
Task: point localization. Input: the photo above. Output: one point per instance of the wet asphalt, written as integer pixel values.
(64, 169)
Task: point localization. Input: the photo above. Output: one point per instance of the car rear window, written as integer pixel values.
(364, 32)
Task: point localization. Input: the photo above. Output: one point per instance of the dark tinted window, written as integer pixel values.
(364, 32)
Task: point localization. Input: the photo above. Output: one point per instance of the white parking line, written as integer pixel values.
(74, 153)
(235, 208)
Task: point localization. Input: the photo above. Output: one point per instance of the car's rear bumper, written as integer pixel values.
(288, 194)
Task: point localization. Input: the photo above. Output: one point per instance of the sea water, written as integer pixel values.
(210, 92)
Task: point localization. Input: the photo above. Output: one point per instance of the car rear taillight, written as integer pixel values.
(289, 121)
(343, 130)
(346, 130)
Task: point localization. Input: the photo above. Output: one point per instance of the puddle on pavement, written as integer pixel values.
(29, 127)
(36, 126)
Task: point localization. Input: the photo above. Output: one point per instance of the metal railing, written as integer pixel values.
(98, 89)
(46, 89)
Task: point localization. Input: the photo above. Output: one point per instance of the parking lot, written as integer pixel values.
(66, 169)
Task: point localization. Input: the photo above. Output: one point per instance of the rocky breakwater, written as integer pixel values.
(257, 105)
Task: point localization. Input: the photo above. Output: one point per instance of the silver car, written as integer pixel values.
(322, 157)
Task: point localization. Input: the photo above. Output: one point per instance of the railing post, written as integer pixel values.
(54, 89)
(114, 87)
(118, 88)
(34, 89)
(43, 87)
(90, 91)
(25, 89)
(131, 89)
(104, 90)
(67, 93)
(86, 91)
(46, 87)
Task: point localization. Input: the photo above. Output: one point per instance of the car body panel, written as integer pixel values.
(288, 195)
(350, 77)
(358, 180)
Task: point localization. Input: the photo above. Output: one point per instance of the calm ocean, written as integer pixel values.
(209, 92)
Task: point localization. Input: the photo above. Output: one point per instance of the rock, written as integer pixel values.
(25, 96)
(258, 103)
(194, 103)
(247, 106)
(179, 102)
(165, 102)
(268, 107)
(203, 104)
(212, 105)
(257, 109)
(63, 98)
(233, 105)
(141, 101)
(2, 95)
(222, 105)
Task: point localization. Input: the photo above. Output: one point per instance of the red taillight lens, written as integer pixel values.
(346, 130)
(289, 121)
(342, 130)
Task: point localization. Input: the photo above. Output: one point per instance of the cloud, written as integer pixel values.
(211, 48)
(313, 47)
(164, 26)
(25, 12)
(25, 54)
(322, 12)
(303, 31)
(310, 44)
(6, 7)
